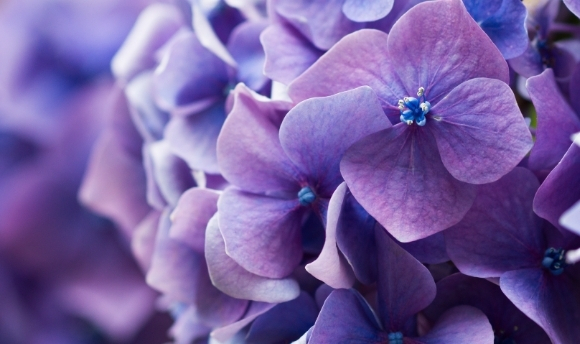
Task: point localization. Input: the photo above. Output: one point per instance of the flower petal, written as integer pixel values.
(244, 45)
(507, 28)
(500, 232)
(404, 285)
(397, 176)
(249, 151)
(366, 10)
(262, 233)
(556, 121)
(461, 324)
(316, 133)
(331, 267)
(480, 131)
(235, 281)
(437, 45)
(551, 301)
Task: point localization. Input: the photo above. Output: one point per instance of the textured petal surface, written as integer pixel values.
(504, 317)
(343, 318)
(366, 10)
(359, 59)
(404, 285)
(561, 189)
(551, 301)
(191, 215)
(573, 6)
(507, 28)
(321, 21)
(262, 233)
(316, 133)
(249, 152)
(223, 334)
(235, 281)
(481, 10)
(500, 232)
(446, 49)
(288, 53)
(398, 177)
(556, 121)
(185, 66)
(331, 267)
(481, 133)
(461, 324)
(194, 138)
(430, 250)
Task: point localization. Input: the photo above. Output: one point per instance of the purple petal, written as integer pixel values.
(448, 48)
(366, 11)
(404, 285)
(185, 65)
(430, 250)
(506, 320)
(341, 120)
(249, 151)
(359, 59)
(149, 120)
(343, 318)
(235, 281)
(114, 184)
(561, 189)
(285, 322)
(171, 174)
(500, 232)
(288, 53)
(355, 237)
(480, 131)
(321, 21)
(556, 121)
(574, 86)
(191, 215)
(529, 63)
(481, 10)
(331, 267)
(194, 138)
(224, 333)
(208, 37)
(244, 45)
(507, 28)
(573, 6)
(551, 301)
(262, 233)
(461, 324)
(155, 25)
(571, 218)
(398, 177)
(143, 239)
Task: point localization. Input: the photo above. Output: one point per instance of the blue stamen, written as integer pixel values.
(306, 196)
(395, 338)
(554, 260)
(413, 110)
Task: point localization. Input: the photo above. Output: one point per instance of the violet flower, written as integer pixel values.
(502, 237)
(404, 288)
(284, 168)
(457, 122)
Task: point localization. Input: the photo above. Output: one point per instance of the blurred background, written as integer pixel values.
(66, 274)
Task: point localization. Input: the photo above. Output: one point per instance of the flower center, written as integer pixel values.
(306, 196)
(554, 260)
(395, 338)
(413, 110)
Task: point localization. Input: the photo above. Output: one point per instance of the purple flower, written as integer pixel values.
(457, 122)
(502, 237)
(404, 288)
(284, 168)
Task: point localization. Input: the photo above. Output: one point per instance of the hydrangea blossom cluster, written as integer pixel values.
(345, 171)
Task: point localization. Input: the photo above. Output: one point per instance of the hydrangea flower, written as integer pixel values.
(456, 122)
(404, 288)
(502, 237)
